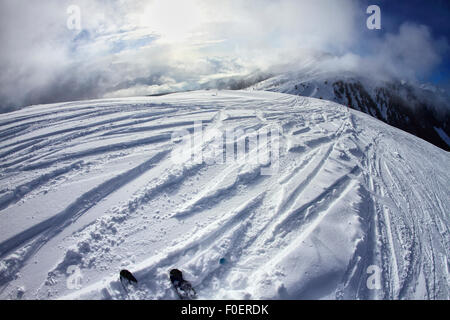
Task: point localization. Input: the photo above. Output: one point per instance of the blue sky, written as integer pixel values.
(434, 14)
(127, 48)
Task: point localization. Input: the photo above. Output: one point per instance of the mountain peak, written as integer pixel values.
(417, 109)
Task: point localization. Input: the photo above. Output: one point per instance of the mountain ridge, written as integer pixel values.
(422, 110)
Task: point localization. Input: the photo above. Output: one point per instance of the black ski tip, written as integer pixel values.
(125, 274)
(176, 275)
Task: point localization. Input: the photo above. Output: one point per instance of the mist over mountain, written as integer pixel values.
(422, 110)
(125, 49)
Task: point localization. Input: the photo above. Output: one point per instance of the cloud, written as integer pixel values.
(411, 53)
(146, 47)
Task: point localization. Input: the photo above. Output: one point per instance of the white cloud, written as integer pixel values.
(410, 53)
(140, 47)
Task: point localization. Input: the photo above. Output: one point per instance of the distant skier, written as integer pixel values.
(182, 287)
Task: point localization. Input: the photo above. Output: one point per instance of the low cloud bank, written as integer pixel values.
(146, 47)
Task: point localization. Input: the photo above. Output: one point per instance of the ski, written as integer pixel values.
(183, 288)
(127, 277)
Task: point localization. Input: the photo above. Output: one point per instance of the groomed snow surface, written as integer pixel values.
(355, 209)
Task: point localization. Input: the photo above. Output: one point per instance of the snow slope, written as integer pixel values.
(422, 110)
(355, 209)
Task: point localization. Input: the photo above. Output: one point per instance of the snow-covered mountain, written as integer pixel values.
(312, 200)
(422, 110)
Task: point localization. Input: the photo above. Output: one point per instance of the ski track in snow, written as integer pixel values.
(92, 185)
